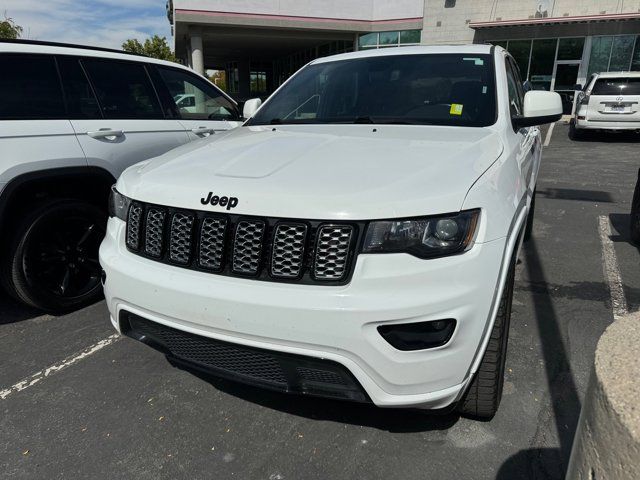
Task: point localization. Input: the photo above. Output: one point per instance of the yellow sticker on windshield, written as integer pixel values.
(456, 109)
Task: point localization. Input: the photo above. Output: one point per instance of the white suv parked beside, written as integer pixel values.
(355, 239)
(609, 101)
(71, 120)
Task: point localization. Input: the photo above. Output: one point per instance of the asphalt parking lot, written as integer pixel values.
(121, 410)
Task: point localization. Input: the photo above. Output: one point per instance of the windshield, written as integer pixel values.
(617, 86)
(433, 89)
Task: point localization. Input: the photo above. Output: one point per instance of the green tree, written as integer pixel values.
(9, 28)
(156, 47)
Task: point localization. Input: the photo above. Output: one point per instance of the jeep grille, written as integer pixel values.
(270, 249)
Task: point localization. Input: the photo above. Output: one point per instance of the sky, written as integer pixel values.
(104, 23)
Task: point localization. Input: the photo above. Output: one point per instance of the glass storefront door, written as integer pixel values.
(564, 80)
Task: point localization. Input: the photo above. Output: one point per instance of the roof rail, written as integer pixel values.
(68, 45)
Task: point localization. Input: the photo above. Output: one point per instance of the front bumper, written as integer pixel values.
(338, 324)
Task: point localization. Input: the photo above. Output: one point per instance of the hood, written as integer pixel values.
(354, 172)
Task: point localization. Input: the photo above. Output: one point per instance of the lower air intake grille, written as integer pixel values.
(266, 368)
(264, 248)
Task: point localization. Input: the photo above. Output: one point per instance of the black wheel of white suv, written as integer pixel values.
(52, 260)
(485, 392)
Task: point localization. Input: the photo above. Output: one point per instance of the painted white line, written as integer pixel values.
(547, 139)
(67, 362)
(611, 270)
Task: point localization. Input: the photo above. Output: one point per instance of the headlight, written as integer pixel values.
(423, 237)
(118, 204)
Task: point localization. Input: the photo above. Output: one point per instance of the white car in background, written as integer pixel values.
(609, 101)
(355, 239)
(72, 118)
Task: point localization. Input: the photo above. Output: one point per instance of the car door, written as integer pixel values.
(35, 133)
(202, 107)
(529, 144)
(121, 121)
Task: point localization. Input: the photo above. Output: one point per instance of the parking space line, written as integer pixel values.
(67, 362)
(611, 270)
(547, 139)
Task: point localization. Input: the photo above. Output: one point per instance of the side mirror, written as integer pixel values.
(251, 107)
(577, 86)
(540, 107)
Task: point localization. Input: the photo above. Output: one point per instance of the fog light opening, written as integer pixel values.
(418, 336)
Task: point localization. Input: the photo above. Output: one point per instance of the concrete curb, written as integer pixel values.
(607, 442)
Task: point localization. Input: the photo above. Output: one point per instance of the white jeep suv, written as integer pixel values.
(355, 239)
(71, 120)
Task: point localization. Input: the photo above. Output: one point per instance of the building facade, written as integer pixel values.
(260, 43)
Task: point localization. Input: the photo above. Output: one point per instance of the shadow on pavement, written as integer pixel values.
(391, 420)
(597, 196)
(609, 137)
(11, 311)
(522, 465)
(563, 393)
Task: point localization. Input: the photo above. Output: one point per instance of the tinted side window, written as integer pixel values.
(81, 102)
(29, 87)
(195, 98)
(123, 89)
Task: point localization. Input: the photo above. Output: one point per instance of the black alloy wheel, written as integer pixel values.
(53, 260)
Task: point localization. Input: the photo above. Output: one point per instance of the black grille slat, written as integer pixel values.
(181, 238)
(154, 232)
(333, 244)
(212, 243)
(247, 247)
(262, 248)
(134, 224)
(287, 258)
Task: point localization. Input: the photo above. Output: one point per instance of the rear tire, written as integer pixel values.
(575, 133)
(483, 396)
(52, 261)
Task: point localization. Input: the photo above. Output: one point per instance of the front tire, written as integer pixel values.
(483, 397)
(52, 261)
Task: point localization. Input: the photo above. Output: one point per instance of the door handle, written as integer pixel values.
(106, 133)
(203, 130)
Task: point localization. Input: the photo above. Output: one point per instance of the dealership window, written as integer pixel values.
(389, 39)
(258, 82)
(619, 53)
